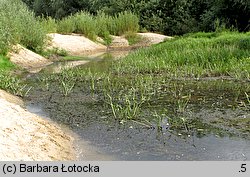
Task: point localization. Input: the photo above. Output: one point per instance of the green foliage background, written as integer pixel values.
(172, 17)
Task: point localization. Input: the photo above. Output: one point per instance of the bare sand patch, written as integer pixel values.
(148, 39)
(11, 98)
(152, 38)
(75, 44)
(119, 42)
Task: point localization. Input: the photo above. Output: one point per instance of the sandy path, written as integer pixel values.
(25, 136)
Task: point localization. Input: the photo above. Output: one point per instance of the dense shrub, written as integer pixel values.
(19, 25)
(99, 25)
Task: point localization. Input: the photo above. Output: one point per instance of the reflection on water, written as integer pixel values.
(59, 66)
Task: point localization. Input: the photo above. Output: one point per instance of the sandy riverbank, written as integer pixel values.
(25, 136)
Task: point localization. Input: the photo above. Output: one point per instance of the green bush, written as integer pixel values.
(103, 22)
(100, 25)
(126, 22)
(66, 25)
(19, 25)
(49, 24)
(85, 24)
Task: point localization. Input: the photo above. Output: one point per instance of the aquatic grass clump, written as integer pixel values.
(67, 82)
(125, 96)
(13, 85)
(10, 82)
(126, 106)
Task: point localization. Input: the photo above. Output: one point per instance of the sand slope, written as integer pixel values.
(75, 44)
(152, 38)
(25, 136)
(27, 59)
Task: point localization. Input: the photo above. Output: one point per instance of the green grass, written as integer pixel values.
(13, 84)
(5, 64)
(225, 55)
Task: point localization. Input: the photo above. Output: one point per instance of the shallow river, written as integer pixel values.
(99, 137)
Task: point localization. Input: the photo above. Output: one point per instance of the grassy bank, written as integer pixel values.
(196, 55)
(5, 64)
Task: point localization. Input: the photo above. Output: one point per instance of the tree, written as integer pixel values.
(234, 13)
